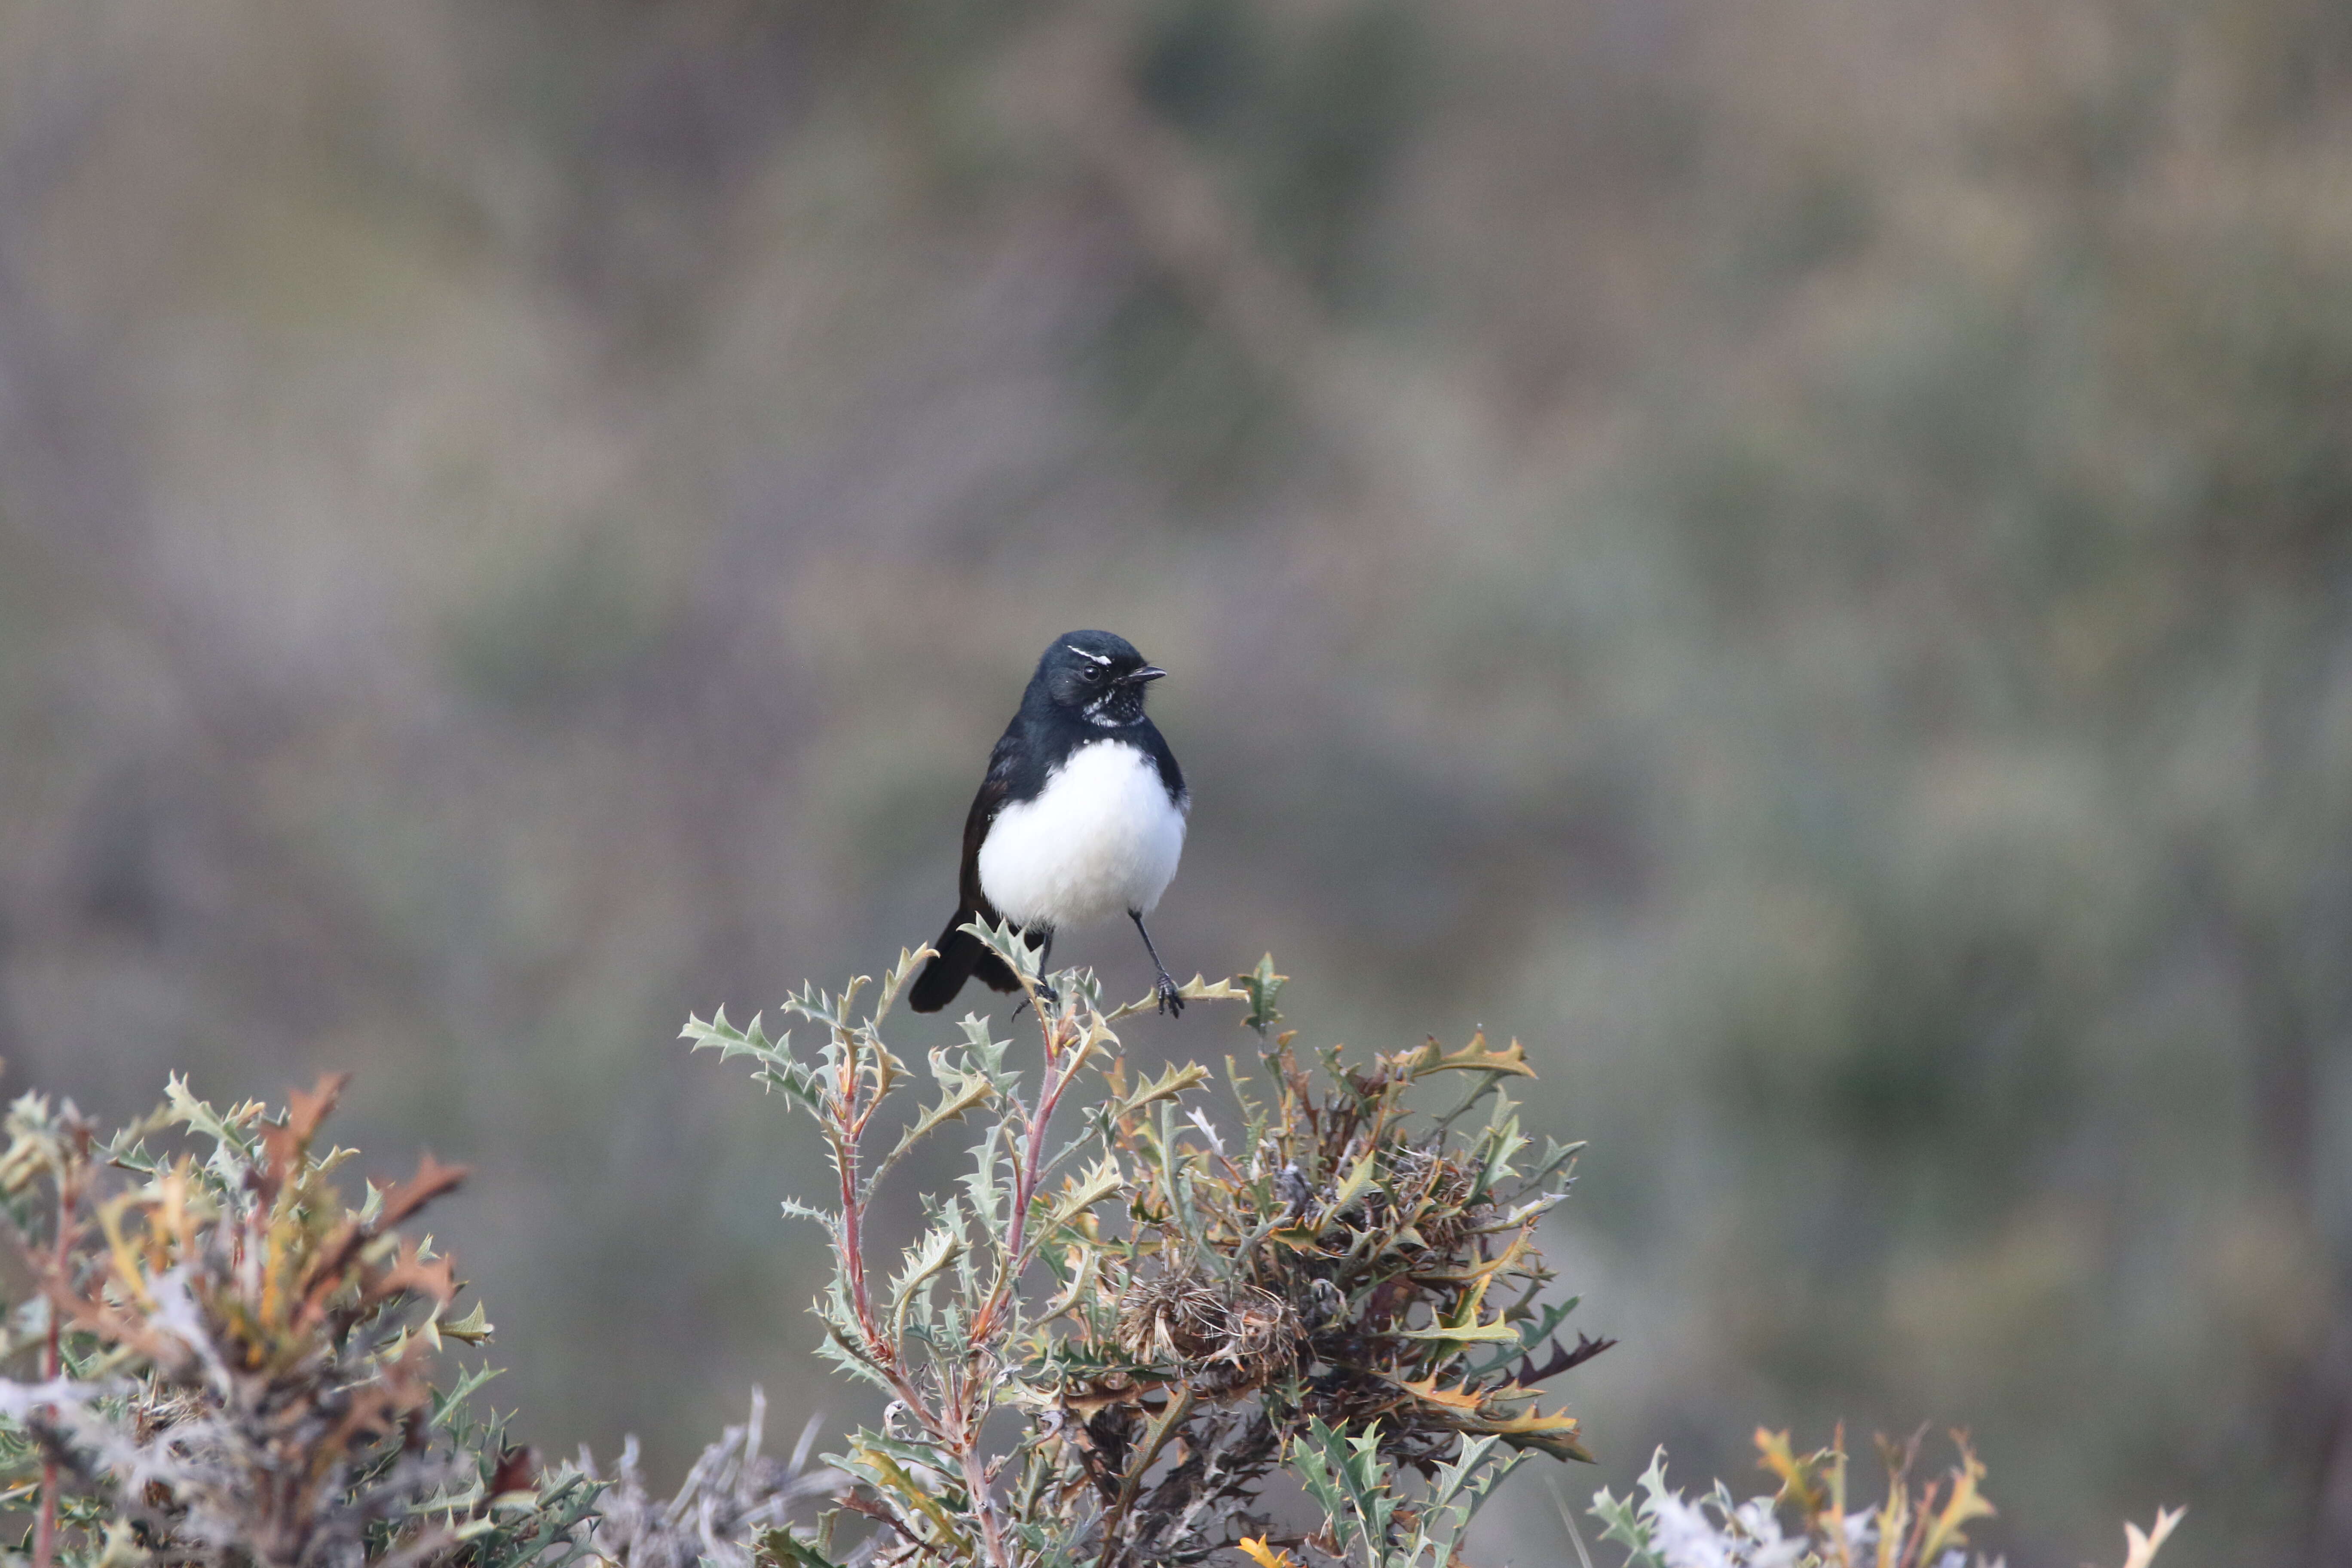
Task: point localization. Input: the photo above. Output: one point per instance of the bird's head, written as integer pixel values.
(1096, 676)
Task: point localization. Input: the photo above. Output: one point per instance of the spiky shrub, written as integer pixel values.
(1807, 1523)
(733, 1495)
(236, 1367)
(1331, 1283)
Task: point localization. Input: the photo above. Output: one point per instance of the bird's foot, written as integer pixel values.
(1169, 1002)
(1046, 996)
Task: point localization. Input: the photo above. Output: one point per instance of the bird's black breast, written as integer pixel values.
(1034, 744)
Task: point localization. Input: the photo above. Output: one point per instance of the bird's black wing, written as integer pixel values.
(960, 954)
(994, 791)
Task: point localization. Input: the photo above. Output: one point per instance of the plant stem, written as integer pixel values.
(975, 1481)
(45, 1530)
(853, 1243)
(1029, 1156)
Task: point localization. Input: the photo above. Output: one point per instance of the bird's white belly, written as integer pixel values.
(1101, 838)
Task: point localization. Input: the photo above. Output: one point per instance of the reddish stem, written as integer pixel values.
(975, 1481)
(1025, 1182)
(848, 1126)
(853, 1245)
(1026, 1160)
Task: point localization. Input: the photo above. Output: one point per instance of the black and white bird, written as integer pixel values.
(1081, 816)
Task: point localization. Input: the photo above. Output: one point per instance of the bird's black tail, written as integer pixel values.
(960, 956)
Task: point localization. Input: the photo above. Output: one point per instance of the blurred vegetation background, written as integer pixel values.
(1798, 558)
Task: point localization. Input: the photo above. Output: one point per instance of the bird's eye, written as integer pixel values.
(1091, 673)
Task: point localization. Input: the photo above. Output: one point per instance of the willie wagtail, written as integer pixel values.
(1081, 816)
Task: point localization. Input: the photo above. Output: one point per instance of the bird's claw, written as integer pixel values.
(1171, 1003)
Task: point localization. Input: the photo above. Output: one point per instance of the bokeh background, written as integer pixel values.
(1797, 557)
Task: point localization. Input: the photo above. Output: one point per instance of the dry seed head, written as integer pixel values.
(1172, 1319)
(1182, 1319)
(1261, 1330)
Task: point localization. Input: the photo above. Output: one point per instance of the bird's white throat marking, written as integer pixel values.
(1101, 838)
(1098, 711)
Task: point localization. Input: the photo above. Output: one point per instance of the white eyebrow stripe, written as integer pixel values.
(1082, 653)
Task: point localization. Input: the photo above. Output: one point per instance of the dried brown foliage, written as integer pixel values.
(236, 1368)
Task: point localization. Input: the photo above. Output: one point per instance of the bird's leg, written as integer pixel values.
(1170, 1002)
(1045, 951)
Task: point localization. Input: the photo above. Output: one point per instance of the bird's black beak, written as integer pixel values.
(1144, 677)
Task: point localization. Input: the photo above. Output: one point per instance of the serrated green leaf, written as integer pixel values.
(1009, 943)
(778, 1069)
(795, 1209)
(961, 1090)
(1359, 1181)
(1197, 989)
(1261, 986)
(1532, 1332)
(910, 960)
(782, 1548)
(446, 1405)
(199, 1116)
(940, 1247)
(981, 1185)
(1167, 1086)
(473, 1329)
(1511, 1061)
(1081, 1193)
